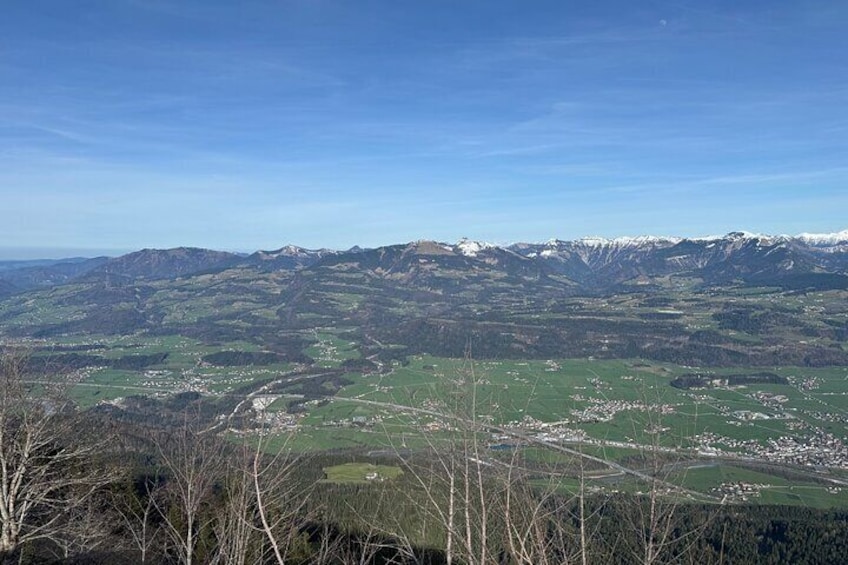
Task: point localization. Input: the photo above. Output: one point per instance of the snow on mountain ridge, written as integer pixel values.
(551, 247)
(627, 241)
(734, 235)
(823, 238)
(288, 251)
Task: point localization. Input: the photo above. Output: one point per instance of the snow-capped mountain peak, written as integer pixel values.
(471, 248)
(287, 251)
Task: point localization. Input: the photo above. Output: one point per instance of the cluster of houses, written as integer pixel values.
(605, 410)
(738, 491)
(816, 449)
(819, 449)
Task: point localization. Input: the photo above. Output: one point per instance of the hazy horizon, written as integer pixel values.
(53, 253)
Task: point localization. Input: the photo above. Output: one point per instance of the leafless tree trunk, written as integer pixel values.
(137, 516)
(192, 464)
(46, 470)
(487, 508)
(539, 516)
(460, 487)
(654, 519)
(240, 540)
(86, 529)
(279, 500)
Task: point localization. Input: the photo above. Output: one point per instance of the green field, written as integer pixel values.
(617, 402)
(330, 350)
(360, 473)
(773, 489)
(622, 408)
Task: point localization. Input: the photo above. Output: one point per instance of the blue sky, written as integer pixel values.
(249, 125)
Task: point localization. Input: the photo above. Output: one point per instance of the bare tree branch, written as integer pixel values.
(46, 453)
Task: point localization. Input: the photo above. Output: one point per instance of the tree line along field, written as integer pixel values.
(617, 409)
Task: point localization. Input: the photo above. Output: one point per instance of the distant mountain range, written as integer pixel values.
(803, 261)
(16, 276)
(737, 299)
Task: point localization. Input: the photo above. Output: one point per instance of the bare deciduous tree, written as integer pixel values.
(192, 464)
(46, 453)
(240, 541)
(137, 512)
(458, 484)
(279, 500)
(659, 535)
(490, 511)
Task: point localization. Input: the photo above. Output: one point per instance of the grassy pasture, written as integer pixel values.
(773, 489)
(573, 393)
(330, 350)
(528, 393)
(359, 473)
